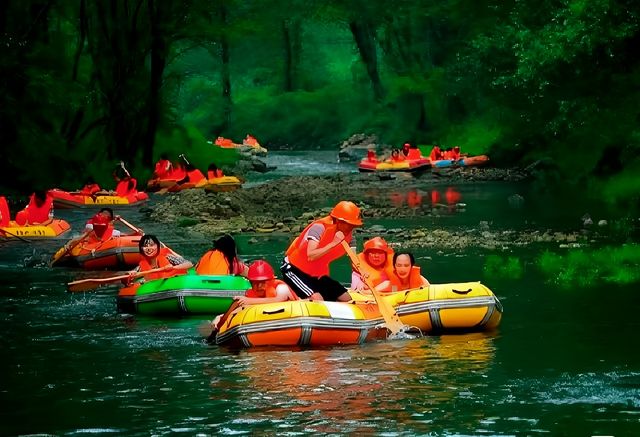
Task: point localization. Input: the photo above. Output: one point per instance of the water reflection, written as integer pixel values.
(414, 198)
(361, 389)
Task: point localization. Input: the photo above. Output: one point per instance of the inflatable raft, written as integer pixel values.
(117, 253)
(184, 294)
(65, 199)
(410, 165)
(224, 183)
(302, 323)
(439, 308)
(468, 161)
(53, 229)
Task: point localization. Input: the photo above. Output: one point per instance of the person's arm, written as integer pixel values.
(384, 286)
(314, 251)
(176, 262)
(424, 282)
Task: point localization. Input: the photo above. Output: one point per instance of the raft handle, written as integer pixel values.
(461, 291)
(211, 281)
(279, 310)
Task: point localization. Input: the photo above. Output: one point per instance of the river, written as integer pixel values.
(563, 361)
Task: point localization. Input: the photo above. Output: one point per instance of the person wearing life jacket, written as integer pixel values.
(455, 153)
(163, 168)
(405, 275)
(90, 188)
(376, 260)
(38, 211)
(396, 156)
(222, 259)
(250, 140)
(306, 264)
(5, 215)
(193, 175)
(213, 172)
(125, 183)
(436, 153)
(414, 152)
(154, 256)
(105, 212)
(101, 229)
(405, 149)
(371, 156)
(265, 288)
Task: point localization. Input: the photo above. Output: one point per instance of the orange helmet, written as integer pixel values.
(260, 271)
(376, 243)
(347, 212)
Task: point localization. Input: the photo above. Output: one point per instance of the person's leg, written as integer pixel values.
(303, 285)
(332, 290)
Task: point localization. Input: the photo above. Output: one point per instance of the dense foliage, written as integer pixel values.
(87, 83)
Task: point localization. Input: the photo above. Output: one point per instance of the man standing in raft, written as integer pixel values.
(306, 264)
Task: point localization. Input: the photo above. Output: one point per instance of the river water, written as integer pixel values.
(563, 362)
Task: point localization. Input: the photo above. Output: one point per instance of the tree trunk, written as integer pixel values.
(292, 48)
(366, 47)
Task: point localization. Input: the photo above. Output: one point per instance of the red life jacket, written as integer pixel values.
(36, 214)
(414, 154)
(214, 174)
(178, 174)
(163, 169)
(126, 187)
(271, 291)
(90, 189)
(195, 176)
(436, 154)
(158, 262)
(5, 216)
(297, 251)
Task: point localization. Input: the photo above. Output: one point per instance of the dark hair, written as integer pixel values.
(227, 245)
(409, 254)
(164, 156)
(109, 210)
(40, 196)
(145, 239)
(212, 167)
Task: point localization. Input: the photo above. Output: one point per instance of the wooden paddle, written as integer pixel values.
(66, 249)
(91, 284)
(391, 319)
(129, 225)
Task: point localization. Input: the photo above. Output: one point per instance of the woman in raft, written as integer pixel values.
(222, 259)
(154, 256)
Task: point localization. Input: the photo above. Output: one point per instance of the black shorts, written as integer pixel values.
(305, 285)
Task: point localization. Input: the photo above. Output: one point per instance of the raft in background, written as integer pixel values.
(468, 161)
(185, 294)
(408, 165)
(65, 199)
(221, 184)
(116, 253)
(439, 308)
(55, 228)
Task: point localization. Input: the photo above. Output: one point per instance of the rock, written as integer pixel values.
(484, 225)
(602, 223)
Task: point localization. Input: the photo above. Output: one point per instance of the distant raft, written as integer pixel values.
(55, 228)
(221, 184)
(439, 308)
(468, 161)
(116, 253)
(409, 165)
(65, 199)
(182, 295)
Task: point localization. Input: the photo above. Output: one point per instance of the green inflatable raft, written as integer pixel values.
(183, 295)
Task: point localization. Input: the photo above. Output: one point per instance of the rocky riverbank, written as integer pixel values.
(286, 205)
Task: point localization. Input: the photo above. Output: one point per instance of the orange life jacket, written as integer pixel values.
(178, 174)
(297, 251)
(90, 189)
(271, 290)
(4, 212)
(195, 176)
(415, 280)
(214, 174)
(215, 263)
(94, 238)
(126, 187)
(436, 154)
(375, 274)
(160, 261)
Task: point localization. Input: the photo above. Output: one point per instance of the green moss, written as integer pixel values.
(185, 222)
(496, 266)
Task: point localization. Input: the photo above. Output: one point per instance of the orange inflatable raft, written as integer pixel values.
(116, 253)
(53, 229)
(65, 199)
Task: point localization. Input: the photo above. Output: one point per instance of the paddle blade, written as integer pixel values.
(92, 284)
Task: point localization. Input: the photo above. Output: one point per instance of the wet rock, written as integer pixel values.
(602, 223)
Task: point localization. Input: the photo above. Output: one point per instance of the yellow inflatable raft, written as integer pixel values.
(468, 306)
(53, 229)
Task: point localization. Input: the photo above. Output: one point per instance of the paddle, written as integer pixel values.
(66, 249)
(129, 225)
(394, 325)
(165, 190)
(4, 231)
(91, 284)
